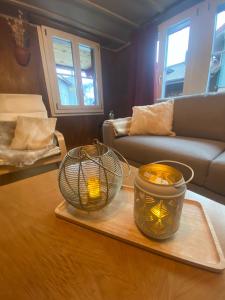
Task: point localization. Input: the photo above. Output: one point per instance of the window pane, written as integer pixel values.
(65, 71)
(217, 64)
(88, 75)
(174, 73)
(177, 46)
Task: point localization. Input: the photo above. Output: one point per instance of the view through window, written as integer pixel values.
(88, 74)
(177, 47)
(217, 64)
(65, 71)
(191, 57)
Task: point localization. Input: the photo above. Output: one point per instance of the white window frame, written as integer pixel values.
(45, 35)
(202, 24)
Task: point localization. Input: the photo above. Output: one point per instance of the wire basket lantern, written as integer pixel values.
(90, 176)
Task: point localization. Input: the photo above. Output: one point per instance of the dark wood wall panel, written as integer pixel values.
(78, 130)
(108, 59)
(13, 77)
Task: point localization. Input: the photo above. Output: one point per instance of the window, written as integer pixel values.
(191, 56)
(217, 64)
(73, 73)
(177, 47)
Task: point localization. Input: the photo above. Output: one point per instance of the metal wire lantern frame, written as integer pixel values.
(87, 159)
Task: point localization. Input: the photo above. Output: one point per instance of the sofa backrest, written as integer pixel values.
(200, 116)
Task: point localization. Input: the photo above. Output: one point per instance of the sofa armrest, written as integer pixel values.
(61, 143)
(108, 133)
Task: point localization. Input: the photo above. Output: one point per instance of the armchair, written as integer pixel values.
(14, 105)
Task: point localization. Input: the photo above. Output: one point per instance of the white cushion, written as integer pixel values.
(154, 119)
(33, 133)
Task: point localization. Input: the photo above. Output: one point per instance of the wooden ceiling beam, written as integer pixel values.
(66, 20)
(174, 9)
(108, 12)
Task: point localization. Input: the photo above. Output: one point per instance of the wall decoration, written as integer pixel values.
(21, 38)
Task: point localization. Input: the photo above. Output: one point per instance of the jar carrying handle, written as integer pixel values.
(182, 164)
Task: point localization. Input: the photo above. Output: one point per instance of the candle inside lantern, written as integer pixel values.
(93, 185)
(160, 210)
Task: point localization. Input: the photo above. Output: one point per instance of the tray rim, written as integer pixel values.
(215, 267)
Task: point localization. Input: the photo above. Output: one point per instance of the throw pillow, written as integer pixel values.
(33, 133)
(156, 119)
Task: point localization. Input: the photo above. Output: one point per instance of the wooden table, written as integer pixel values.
(43, 257)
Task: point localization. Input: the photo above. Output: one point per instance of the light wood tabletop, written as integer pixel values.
(43, 257)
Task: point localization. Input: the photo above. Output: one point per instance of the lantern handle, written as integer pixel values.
(124, 159)
(99, 164)
(182, 164)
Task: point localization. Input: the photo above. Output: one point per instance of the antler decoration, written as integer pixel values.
(18, 29)
(21, 37)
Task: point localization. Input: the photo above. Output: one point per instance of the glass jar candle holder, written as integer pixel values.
(159, 191)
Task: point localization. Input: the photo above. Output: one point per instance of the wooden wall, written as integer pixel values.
(14, 78)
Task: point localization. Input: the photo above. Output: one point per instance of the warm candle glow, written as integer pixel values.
(160, 213)
(93, 185)
(160, 210)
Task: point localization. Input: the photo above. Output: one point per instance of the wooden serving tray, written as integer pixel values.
(194, 243)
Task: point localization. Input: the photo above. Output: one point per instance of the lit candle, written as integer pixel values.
(93, 185)
(160, 210)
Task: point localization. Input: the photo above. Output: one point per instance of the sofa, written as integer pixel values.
(199, 124)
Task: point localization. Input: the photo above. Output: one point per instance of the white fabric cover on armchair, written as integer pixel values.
(12, 106)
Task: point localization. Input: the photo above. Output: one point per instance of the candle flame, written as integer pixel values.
(160, 210)
(93, 185)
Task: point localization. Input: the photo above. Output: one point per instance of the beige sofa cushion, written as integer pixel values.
(154, 119)
(33, 133)
(198, 153)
